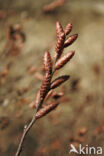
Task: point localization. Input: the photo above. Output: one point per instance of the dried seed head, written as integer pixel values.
(45, 86)
(70, 40)
(68, 28)
(60, 45)
(47, 62)
(46, 109)
(59, 29)
(57, 82)
(63, 60)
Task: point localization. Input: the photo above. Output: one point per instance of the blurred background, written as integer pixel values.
(80, 116)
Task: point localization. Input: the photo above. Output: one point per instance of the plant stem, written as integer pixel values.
(26, 130)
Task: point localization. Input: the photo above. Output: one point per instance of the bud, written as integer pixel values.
(63, 60)
(47, 62)
(70, 40)
(60, 45)
(45, 86)
(46, 109)
(57, 82)
(68, 28)
(59, 29)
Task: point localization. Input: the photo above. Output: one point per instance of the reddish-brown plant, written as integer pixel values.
(46, 109)
(63, 60)
(59, 29)
(60, 45)
(70, 40)
(68, 28)
(57, 82)
(47, 62)
(47, 87)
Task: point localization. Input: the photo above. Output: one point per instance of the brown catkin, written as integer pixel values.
(57, 82)
(63, 60)
(70, 40)
(46, 109)
(59, 29)
(45, 86)
(60, 45)
(47, 62)
(68, 28)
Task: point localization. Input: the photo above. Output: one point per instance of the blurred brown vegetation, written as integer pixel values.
(80, 117)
